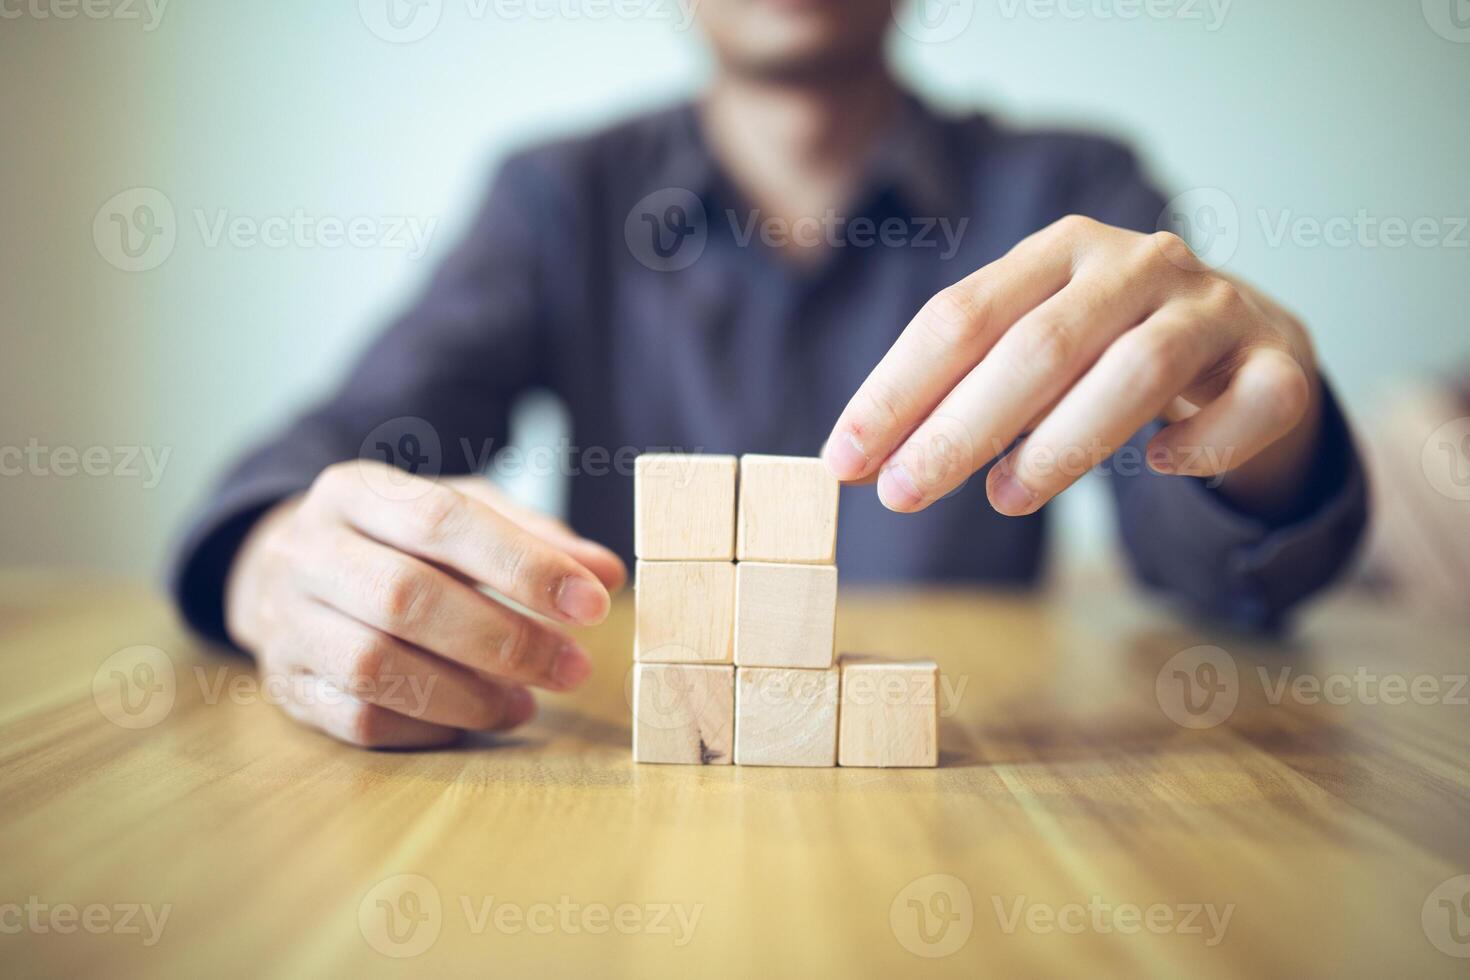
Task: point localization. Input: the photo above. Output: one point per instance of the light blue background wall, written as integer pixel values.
(1309, 109)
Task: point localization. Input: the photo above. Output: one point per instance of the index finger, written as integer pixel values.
(947, 338)
(472, 538)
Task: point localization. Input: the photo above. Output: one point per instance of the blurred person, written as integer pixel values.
(1417, 456)
(806, 244)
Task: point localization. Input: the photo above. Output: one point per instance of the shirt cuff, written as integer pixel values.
(203, 559)
(1264, 567)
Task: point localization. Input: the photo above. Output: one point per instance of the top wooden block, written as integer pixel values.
(684, 507)
(788, 510)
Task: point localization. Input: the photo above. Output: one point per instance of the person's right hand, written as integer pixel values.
(366, 610)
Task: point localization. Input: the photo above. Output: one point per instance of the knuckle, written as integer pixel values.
(330, 481)
(1170, 251)
(883, 406)
(367, 726)
(366, 658)
(520, 567)
(1150, 361)
(486, 709)
(1045, 347)
(954, 315)
(514, 653)
(402, 593)
(1223, 297)
(435, 513)
(1284, 399)
(1074, 227)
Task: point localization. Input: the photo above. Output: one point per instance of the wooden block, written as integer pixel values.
(684, 507)
(890, 712)
(788, 510)
(683, 713)
(785, 615)
(785, 717)
(686, 612)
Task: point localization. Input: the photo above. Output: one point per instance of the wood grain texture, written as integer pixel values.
(683, 714)
(890, 712)
(1327, 827)
(686, 612)
(684, 507)
(785, 717)
(785, 615)
(788, 510)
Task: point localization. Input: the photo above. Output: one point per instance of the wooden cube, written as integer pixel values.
(785, 615)
(683, 713)
(686, 612)
(788, 510)
(785, 717)
(890, 712)
(684, 507)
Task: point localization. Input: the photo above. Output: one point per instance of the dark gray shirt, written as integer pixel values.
(623, 272)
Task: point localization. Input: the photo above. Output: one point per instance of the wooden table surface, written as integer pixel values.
(1074, 825)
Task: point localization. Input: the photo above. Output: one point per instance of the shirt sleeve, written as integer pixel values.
(1183, 538)
(431, 394)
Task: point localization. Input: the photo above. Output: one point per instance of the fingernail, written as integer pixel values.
(845, 457)
(520, 707)
(572, 666)
(897, 489)
(1158, 461)
(1012, 497)
(581, 601)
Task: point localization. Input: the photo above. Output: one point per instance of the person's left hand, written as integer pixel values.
(1077, 338)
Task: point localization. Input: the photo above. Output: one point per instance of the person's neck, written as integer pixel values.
(797, 150)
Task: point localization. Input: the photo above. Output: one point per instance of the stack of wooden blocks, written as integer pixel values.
(737, 603)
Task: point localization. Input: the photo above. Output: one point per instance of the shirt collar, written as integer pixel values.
(916, 159)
